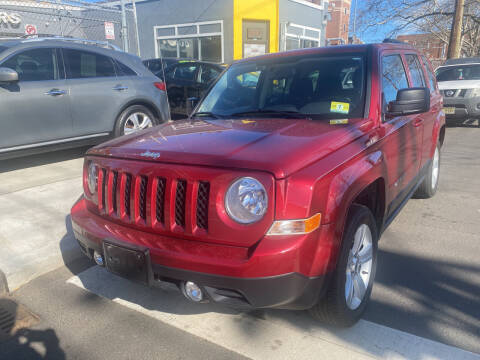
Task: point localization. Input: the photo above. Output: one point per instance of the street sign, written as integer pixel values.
(109, 31)
(30, 29)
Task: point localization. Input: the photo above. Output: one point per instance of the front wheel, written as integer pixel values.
(351, 285)
(429, 185)
(133, 119)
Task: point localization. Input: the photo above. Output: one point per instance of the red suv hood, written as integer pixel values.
(279, 146)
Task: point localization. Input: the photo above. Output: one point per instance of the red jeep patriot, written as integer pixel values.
(275, 191)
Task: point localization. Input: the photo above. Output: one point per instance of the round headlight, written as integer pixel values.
(92, 178)
(246, 200)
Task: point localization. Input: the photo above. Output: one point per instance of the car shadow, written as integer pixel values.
(469, 123)
(43, 158)
(17, 342)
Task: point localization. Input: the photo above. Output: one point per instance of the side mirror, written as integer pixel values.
(191, 103)
(8, 75)
(410, 101)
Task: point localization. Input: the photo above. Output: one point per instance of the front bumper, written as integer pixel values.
(464, 107)
(262, 277)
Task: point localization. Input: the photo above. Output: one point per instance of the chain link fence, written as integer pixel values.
(70, 18)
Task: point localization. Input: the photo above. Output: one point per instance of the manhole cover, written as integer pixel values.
(13, 316)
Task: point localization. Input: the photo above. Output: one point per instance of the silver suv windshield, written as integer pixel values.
(316, 86)
(460, 72)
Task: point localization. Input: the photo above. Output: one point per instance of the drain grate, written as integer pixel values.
(14, 316)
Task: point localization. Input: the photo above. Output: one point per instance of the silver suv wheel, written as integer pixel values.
(135, 122)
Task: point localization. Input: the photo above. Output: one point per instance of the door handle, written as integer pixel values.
(417, 122)
(120, 88)
(55, 92)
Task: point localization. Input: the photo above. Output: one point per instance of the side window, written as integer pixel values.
(83, 64)
(416, 72)
(393, 77)
(185, 72)
(209, 74)
(431, 77)
(124, 70)
(34, 65)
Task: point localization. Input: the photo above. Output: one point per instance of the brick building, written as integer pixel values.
(431, 46)
(337, 27)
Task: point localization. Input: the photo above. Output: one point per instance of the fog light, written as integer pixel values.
(98, 258)
(192, 291)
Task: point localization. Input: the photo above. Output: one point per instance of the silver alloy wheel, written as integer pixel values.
(135, 122)
(435, 168)
(359, 267)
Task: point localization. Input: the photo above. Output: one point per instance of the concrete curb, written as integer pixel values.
(3, 284)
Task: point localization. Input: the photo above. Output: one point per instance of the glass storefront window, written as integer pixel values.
(211, 48)
(168, 48)
(188, 48)
(202, 41)
(292, 43)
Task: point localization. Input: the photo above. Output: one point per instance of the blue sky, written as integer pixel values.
(376, 34)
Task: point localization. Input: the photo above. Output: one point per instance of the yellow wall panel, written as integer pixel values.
(254, 10)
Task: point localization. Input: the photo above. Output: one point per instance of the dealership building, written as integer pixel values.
(210, 30)
(226, 30)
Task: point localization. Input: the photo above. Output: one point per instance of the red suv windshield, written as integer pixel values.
(317, 86)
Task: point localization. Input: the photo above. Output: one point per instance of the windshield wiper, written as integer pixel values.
(205, 113)
(286, 113)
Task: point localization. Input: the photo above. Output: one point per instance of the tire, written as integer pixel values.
(429, 185)
(334, 308)
(126, 119)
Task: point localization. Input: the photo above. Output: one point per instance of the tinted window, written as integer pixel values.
(34, 65)
(393, 77)
(209, 74)
(323, 87)
(415, 71)
(185, 72)
(459, 72)
(431, 77)
(82, 64)
(2, 48)
(124, 70)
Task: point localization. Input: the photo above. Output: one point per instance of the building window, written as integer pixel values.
(201, 41)
(345, 11)
(300, 37)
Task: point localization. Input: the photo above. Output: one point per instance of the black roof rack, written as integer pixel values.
(393, 41)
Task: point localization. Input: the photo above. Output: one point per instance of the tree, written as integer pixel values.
(424, 16)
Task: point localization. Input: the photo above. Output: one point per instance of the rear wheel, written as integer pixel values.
(429, 185)
(351, 285)
(133, 119)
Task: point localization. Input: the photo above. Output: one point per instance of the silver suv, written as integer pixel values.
(62, 93)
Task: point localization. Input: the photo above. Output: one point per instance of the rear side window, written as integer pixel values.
(34, 65)
(185, 72)
(209, 74)
(416, 73)
(431, 77)
(124, 70)
(83, 64)
(393, 77)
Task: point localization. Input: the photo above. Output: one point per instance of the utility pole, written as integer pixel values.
(124, 26)
(455, 46)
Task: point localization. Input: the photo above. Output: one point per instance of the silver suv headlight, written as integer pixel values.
(246, 200)
(92, 177)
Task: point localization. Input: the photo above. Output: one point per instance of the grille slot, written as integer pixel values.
(160, 200)
(202, 205)
(114, 191)
(128, 188)
(180, 202)
(104, 190)
(143, 197)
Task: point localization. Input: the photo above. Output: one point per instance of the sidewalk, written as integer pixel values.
(35, 230)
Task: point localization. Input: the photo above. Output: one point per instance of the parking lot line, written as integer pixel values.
(265, 334)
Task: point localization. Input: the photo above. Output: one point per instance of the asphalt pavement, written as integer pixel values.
(425, 301)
